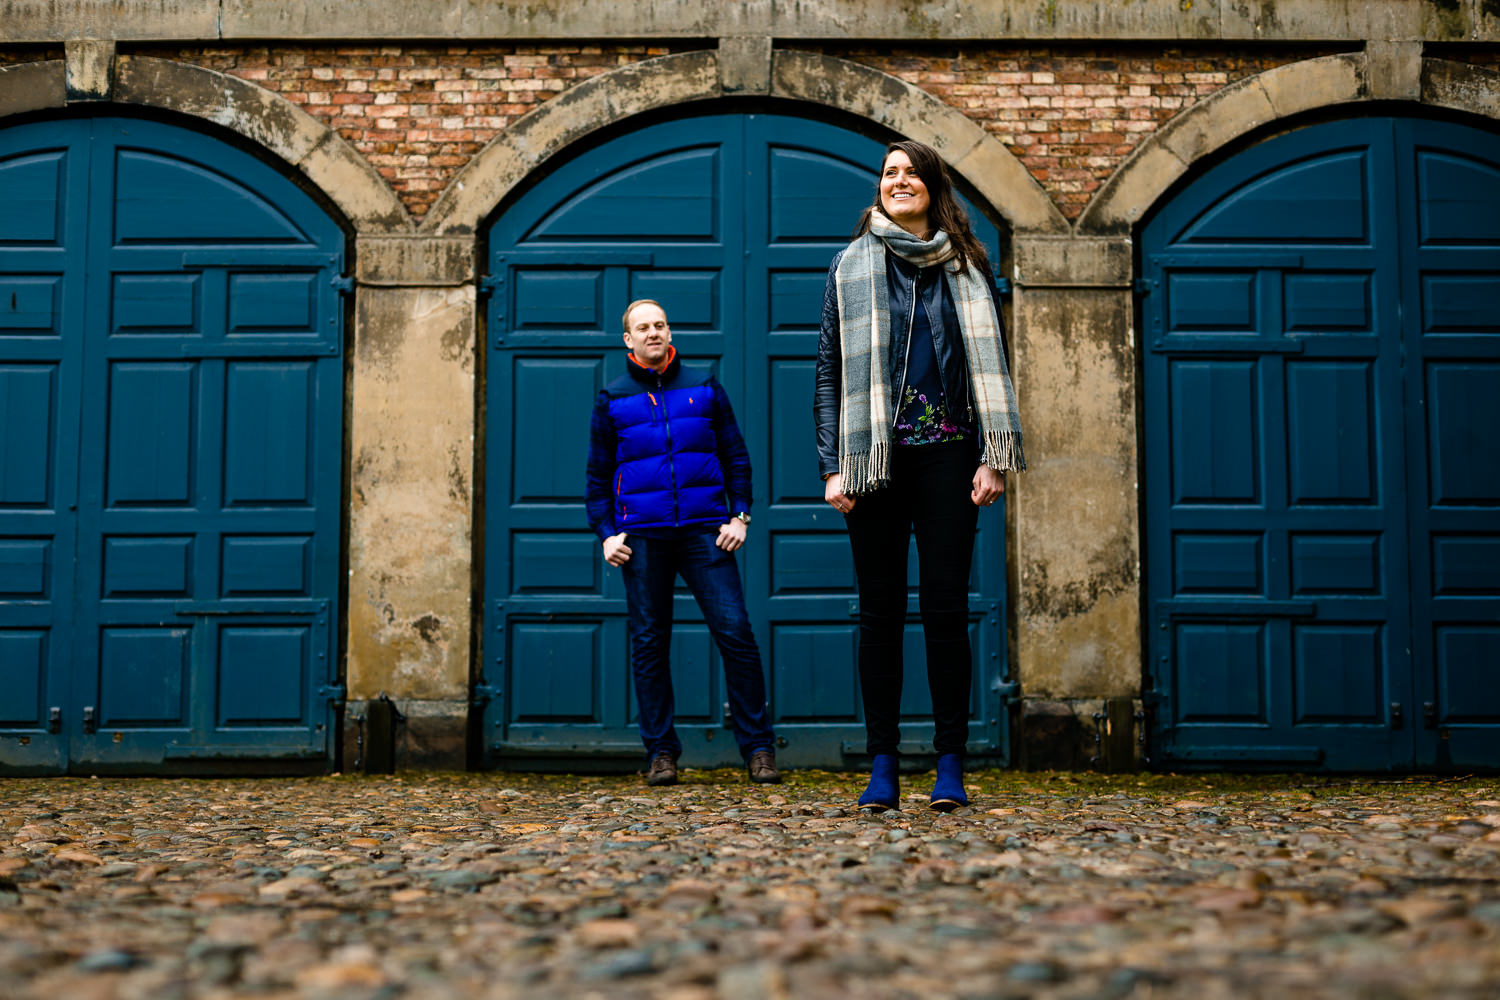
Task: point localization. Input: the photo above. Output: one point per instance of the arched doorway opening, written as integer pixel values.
(1321, 370)
(171, 373)
(730, 220)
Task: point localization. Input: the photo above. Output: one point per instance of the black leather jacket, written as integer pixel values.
(904, 282)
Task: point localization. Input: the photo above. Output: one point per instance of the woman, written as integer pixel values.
(916, 422)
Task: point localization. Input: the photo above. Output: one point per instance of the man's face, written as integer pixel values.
(648, 335)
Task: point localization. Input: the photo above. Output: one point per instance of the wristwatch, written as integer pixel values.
(744, 518)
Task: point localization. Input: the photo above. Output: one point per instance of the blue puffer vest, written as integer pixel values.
(667, 469)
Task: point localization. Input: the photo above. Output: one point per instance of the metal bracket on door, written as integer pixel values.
(54, 720)
(90, 721)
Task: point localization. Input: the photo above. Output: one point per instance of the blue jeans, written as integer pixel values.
(712, 576)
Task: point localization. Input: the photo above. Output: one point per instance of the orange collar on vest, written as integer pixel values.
(665, 364)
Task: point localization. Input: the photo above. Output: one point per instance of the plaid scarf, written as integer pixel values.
(865, 405)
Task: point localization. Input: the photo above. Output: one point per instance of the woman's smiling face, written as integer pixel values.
(903, 195)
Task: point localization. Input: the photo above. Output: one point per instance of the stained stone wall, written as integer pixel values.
(1071, 120)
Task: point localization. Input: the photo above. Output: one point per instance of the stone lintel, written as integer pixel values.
(946, 21)
(745, 64)
(414, 261)
(1072, 262)
(90, 69)
(1394, 70)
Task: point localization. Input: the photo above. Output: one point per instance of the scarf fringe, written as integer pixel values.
(1002, 451)
(865, 471)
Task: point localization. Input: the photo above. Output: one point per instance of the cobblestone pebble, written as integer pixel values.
(511, 886)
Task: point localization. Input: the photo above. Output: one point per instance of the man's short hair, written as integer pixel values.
(625, 319)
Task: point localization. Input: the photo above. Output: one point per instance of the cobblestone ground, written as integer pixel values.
(502, 885)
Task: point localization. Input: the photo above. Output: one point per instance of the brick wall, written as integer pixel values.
(15, 56)
(417, 113)
(1478, 55)
(1071, 114)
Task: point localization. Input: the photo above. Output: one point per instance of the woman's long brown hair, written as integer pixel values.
(943, 212)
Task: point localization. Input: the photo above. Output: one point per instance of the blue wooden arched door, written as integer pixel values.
(1322, 384)
(170, 423)
(730, 221)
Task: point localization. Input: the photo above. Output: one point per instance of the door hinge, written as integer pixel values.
(54, 719)
(483, 694)
(1142, 720)
(1145, 286)
(488, 284)
(334, 694)
(342, 283)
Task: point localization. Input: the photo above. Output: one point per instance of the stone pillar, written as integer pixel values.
(1075, 538)
(411, 492)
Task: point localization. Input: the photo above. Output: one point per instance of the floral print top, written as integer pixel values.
(922, 416)
(923, 419)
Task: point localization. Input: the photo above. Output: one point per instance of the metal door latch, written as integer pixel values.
(54, 719)
(1396, 715)
(90, 723)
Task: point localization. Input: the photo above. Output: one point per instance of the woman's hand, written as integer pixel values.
(988, 485)
(833, 493)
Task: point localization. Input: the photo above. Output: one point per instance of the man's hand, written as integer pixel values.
(988, 485)
(731, 535)
(834, 495)
(616, 552)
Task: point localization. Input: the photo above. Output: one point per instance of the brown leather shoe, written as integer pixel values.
(663, 770)
(763, 768)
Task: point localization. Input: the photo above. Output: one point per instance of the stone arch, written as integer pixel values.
(270, 120)
(983, 161)
(1266, 97)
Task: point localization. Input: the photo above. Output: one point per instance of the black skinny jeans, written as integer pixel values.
(929, 491)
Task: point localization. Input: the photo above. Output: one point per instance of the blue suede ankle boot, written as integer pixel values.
(884, 789)
(948, 790)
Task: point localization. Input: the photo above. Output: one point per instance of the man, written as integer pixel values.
(664, 455)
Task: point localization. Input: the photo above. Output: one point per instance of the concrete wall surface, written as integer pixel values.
(903, 20)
